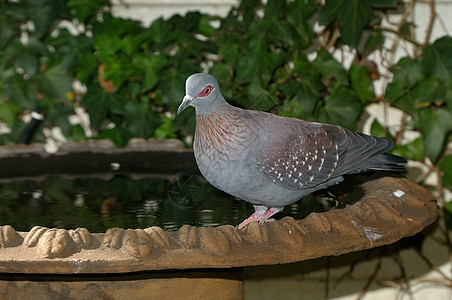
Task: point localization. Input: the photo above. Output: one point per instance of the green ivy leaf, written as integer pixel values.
(77, 133)
(151, 78)
(8, 29)
(434, 125)
(83, 9)
(384, 3)
(119, 71)
(330, 11)
(141, 121)
(352, 17)
(421, 96)
(28, 61)
(20, 91)
(173, 88)
(97, 103)
(150, 66)
(204, 27)
(375, 42)
(44, 12)
(159, 31)
(258, 98)
(258, 47)
(55, 83)
(446, 168)
(301, 64)
(307, 94)
(448, 100)
(223, 72)
(112, 134)
(56, 114)
(328, 66)
(376, 129)
(342, 107)
(407, 73)
(273, 8)
(229, 53)
(188, 23)
(438, 59)
(292, 108)
(130, 44)
(413, 150)
(270, 62)
(8, 112)
(284, 33)
(361, 83)
(87, 67)
(165, 129)
(246, 69)
(106, 44)
(298, 13)
(69, 48)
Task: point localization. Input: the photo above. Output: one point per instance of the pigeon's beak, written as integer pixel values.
(185, 103)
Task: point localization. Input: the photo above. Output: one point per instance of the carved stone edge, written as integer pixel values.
(381, 217)
(102, 146)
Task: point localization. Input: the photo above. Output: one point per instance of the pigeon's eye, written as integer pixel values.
(206, 91)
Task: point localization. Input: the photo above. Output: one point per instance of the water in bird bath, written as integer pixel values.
(125, 201)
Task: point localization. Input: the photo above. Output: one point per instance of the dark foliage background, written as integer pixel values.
(261, 54)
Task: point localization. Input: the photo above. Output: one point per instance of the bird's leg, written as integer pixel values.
(262, 214)
(254, 217)
(268, 213)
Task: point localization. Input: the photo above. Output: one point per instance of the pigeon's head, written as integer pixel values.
(202, 92)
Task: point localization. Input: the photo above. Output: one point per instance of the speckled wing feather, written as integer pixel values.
(310, 154)
(303, 158)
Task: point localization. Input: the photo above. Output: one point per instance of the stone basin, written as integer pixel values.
(203, 261)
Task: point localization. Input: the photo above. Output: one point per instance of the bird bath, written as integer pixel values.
(200, 260)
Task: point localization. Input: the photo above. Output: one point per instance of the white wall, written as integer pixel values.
(147, 11)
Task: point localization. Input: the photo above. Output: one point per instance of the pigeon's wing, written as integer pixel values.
(304, 154)
(300, 156)
(359, 152)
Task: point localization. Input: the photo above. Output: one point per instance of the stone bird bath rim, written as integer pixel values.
(391, 208)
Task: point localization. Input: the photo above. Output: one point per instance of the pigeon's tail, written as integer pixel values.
(386, 162)
(362, 152)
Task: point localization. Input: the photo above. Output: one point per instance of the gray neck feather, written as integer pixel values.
(218, 105)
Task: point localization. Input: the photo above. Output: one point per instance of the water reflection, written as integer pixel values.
(125, 201)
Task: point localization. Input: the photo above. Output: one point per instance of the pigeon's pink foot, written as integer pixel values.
(254, 217)
(261, 216)
(268, 213)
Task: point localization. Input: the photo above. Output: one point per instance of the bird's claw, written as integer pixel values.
(261, 216)
(263, 220)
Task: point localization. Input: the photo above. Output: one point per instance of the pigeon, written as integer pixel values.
(272, 161)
